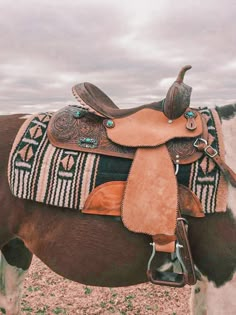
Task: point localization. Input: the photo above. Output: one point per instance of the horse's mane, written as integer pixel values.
(226, 111)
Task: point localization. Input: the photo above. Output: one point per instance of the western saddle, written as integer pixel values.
(154, 135)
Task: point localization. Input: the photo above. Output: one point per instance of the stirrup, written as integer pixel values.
(184, 257)
(166, 278)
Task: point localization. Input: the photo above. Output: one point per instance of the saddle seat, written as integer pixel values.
(176, 102)
(92, 97)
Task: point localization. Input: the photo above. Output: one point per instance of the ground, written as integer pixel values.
(46, 293)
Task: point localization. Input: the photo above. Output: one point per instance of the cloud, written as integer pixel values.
(130, 49)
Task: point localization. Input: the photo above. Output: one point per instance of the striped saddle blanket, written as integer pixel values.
(41, 172)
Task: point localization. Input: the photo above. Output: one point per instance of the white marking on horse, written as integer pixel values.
(229, 132)
(206, 299)
(11, 279)
(198, 300)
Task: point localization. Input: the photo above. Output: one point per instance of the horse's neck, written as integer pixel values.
(229, 133)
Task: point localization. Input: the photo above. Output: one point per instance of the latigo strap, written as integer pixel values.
(202, 145)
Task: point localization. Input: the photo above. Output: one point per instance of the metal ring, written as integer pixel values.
(183, 219)
(152, 255)
(198, 140)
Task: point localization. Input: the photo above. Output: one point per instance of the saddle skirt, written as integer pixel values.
(75, 128)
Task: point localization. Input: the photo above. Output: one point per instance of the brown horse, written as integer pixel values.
(97, 250)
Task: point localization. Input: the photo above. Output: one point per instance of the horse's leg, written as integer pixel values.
(221, 300)
(15, 260)
(198, 300)
(216, 261)
(207, 299)
(14, 256)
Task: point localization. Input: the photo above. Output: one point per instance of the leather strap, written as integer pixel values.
(228, 173)
(181, 233)
(212, 153)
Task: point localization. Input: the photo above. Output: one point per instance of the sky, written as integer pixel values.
(132, 50)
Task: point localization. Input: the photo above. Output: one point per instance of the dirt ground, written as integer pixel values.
(47, 293)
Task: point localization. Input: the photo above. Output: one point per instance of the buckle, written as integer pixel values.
(211, 155)
(182, 219)
(207, 147)
(198, 140)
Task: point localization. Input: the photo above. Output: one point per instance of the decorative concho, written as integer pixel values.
(88, 142)
(79, 112)
(109, 123)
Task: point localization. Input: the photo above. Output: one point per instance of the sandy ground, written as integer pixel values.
(47, 293)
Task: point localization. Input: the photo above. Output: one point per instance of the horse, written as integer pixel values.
(99, 251)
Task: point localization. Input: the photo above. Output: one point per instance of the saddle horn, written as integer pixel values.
(178, 96)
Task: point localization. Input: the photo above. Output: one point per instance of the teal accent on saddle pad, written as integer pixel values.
(41, 172)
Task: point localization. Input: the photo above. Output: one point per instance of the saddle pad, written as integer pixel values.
(35, 163)
(41, 172)
(150, 128)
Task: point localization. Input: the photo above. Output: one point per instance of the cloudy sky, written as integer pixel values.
(132, 50)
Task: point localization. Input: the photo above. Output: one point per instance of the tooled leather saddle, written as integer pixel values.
(157, 137)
